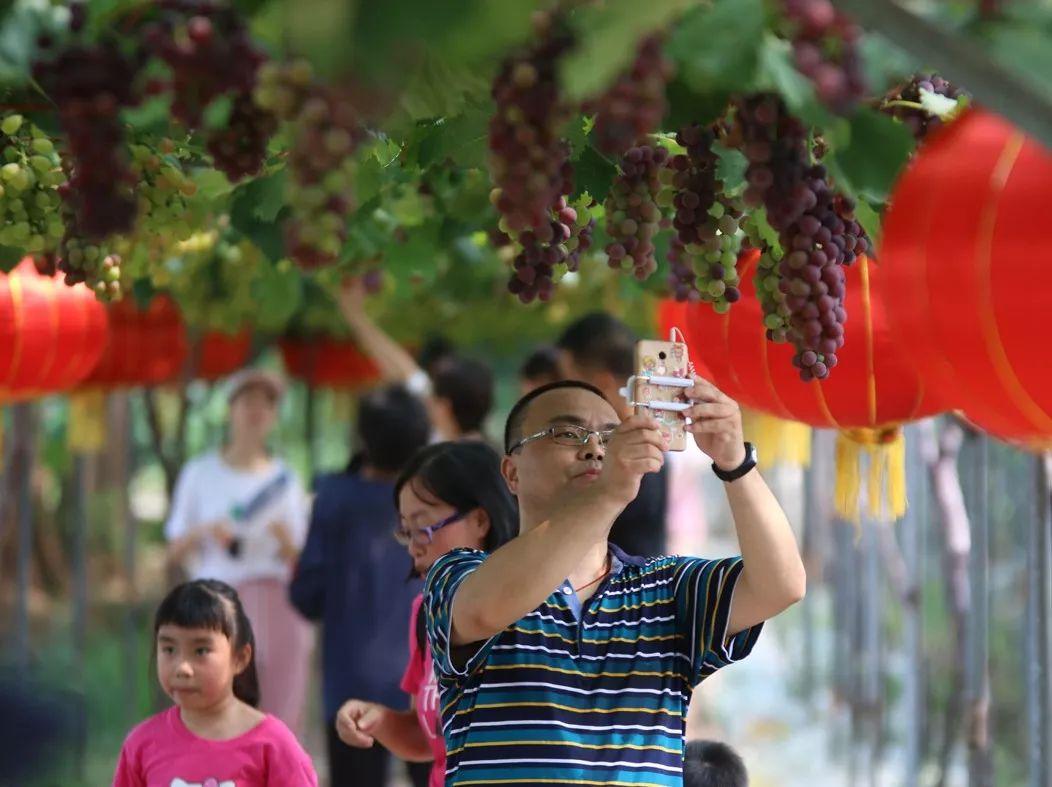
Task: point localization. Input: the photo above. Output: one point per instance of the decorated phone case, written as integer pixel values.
(662, 359)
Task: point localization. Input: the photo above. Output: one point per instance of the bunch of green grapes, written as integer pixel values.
(325, 132)
(713, 257)
(164, 192)
(211, 276)
(97, 266)
(776, 314)
(30, 175)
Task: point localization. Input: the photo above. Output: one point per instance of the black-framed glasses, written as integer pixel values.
(425, 535)
(566, 434)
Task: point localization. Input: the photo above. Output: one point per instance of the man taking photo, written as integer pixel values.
(560, 658)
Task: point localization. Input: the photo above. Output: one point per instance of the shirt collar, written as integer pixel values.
(618, 559)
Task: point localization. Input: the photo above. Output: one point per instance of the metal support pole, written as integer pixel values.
(1038, 611)
(977, 663)
(913, 528)
(22, 468)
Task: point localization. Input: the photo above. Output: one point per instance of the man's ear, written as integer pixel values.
(510, 470)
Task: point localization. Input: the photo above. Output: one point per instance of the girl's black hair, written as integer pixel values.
(465, 475)
(211, 604)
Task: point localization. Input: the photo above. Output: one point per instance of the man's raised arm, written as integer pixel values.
(519, 576)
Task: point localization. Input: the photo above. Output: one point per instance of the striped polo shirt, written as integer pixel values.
(584, 694)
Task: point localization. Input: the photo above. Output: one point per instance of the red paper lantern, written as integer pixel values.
(146, 347)
(867, 396)
(872, 387)
(968, 274)
(328, 363)
(220, 354)
(51, 335)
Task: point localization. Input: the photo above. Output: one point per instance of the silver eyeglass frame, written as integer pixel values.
(586, 435)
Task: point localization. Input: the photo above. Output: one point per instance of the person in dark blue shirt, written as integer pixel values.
(352, 576)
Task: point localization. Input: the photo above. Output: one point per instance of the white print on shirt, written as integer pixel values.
(430, 703)
(206, 783)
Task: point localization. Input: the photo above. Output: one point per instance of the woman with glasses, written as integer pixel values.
(351, 577)
(449, 496)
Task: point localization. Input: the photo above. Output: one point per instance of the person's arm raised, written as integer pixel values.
(395, 363)
(773, 577)
(515, 579)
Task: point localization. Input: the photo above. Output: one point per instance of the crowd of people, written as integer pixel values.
(488, 613)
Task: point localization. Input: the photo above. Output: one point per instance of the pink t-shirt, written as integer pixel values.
(162, 752)
(419, 682)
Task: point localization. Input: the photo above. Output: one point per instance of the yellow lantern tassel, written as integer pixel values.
(885, 452)
(86, 432)
(781, 441)
(848, 484)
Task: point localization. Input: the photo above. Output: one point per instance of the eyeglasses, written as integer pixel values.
(423, 536)
(566, 434)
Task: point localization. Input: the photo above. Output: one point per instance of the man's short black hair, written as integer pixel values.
(513, 426)
(600, 340)
(713, 764)
(542, 362)
(468, 386)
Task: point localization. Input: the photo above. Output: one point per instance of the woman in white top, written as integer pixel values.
(240, 515)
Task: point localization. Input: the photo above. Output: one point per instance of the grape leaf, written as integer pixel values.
(143, 291)
(267, 235)
(879, 149)
(730, 168)
(717, 45)
(368, 179)
(686, 105)
(870, 220)
(10, 256)
(778, 73)
(464, 32)
(212, 184)
(278, 290)
(268, 195)
(153, 114)
(768, 233)
(439, 89)
(460, 139)
(576, 133)
(885, 64)
(607, 36)
(594, 173)
(217, 113)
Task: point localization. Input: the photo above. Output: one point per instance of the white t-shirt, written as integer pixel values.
(209, 490)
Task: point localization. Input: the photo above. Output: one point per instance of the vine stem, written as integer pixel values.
(903, 103)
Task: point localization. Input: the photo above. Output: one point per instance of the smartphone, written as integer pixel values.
(658, 367)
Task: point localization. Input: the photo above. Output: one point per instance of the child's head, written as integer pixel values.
(205, 646)
(452, 495)
(713, 764)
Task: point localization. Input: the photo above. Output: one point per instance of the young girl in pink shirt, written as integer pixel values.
(213, 736)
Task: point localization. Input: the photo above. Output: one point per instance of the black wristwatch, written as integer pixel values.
(740, 470)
